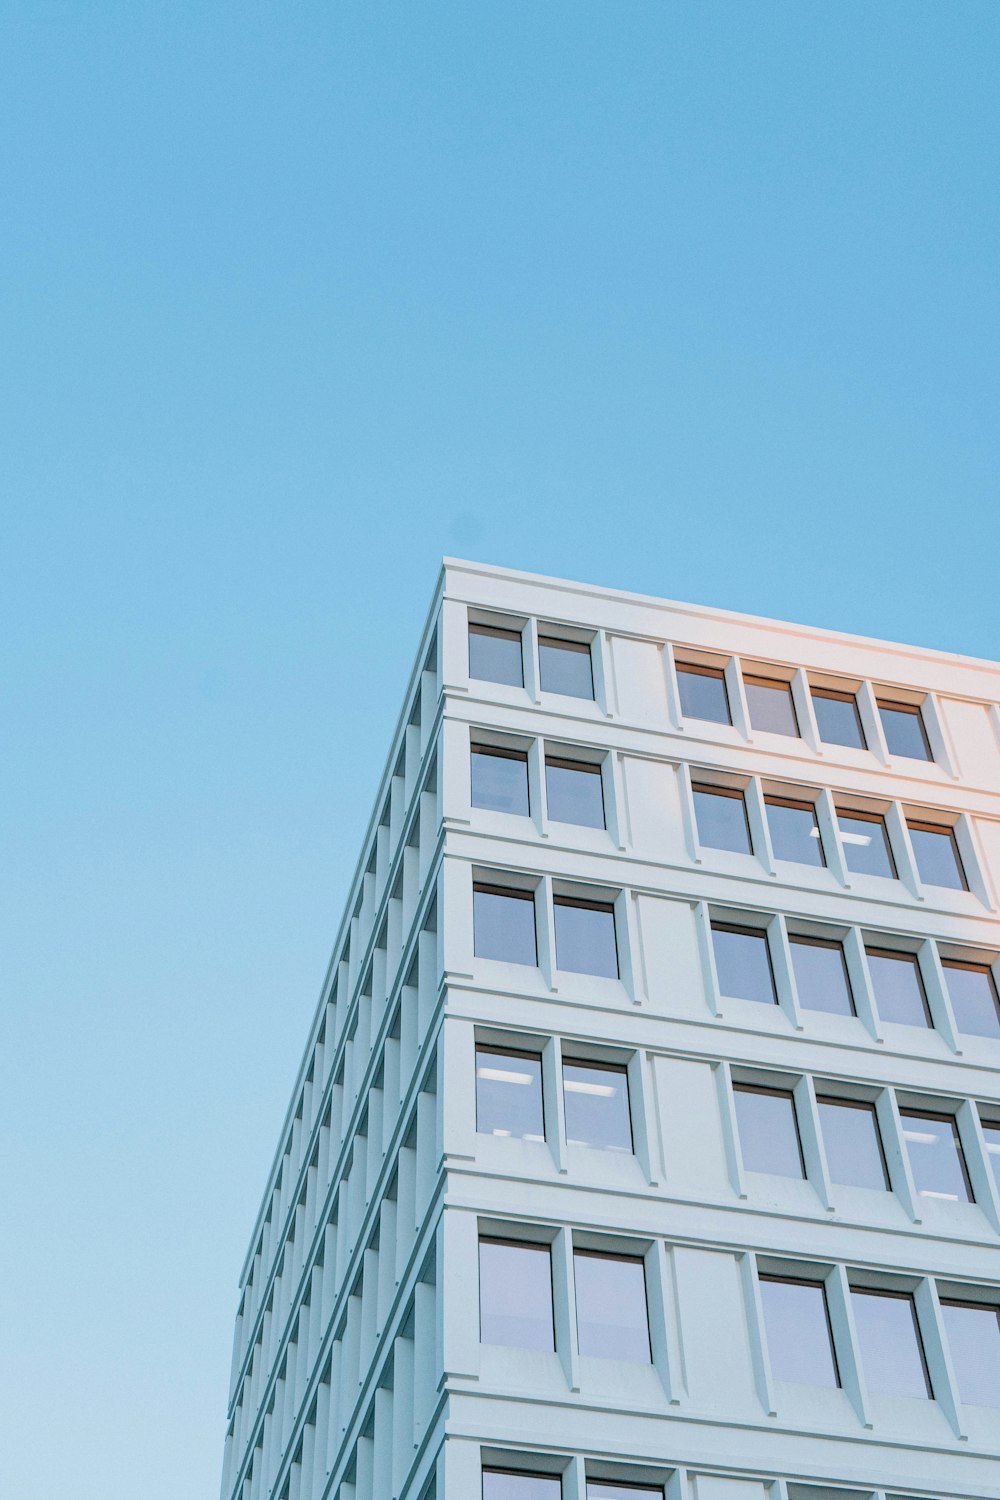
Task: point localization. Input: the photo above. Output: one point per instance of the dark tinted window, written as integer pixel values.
(771, 707)
(596, 1102)
(898, 987)
(500, 779)
(821, 975)
(904, 731)
(866, 844)
(799, 1344)
(495, 655)
(936, 1157)
(585, 937)
(852, 1143)
(892, 1355)
(611, 1317)
(564, 667)
(973, 998)
(574, 792)
(703, 693)
(936, 853)
(515, 1294)
(504, 924)
(769, 1133)
(722, 819)
(509, 1093)
(500, 1484)
(743, 963)
(794, 831)
(973, 1331)
(837, 718)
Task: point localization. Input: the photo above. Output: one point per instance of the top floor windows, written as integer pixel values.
(495, 654)
(703, 693)
(838, 719)
(771, 707)
(514, 1484)
(905, 735)
(565, 667)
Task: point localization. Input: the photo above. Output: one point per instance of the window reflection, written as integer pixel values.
(509, 1093)
(596, 1103)
(936, 1157)
(898, 987)
(904, 731)
(743, 963)
(973, 1331)
(852, 1143)
(837, 718)
(515, 1294)
(973, 993)
(585, 936)
(564, 667)
(495, 655)
(574, 792)
(611, 1317)
(866, 844)
(721, 816)
(771, 707)
(703, 693)
(821, 976)
(892, 1355)
(936, 851)
(768, 1129)
(794, 831)
(500, 779)
(503, 923)
(797, 1325)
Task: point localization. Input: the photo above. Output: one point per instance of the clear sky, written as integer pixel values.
(699, 299)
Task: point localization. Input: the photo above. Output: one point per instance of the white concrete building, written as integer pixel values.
(647, 1138)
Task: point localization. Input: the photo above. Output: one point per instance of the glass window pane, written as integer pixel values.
(991, 1135)
(821, 976)
(703, 694)
(585, 937)
(853, 1145)
(769, 1132)
(500, 780)
(904, 732)
(936, 1158)
(495, 655)
(892, 1355)
(509, 1094)
(499, 1484)
(771, 707)
(898, 987)
(866, 845)
(564, 667)
(722, 820)
(837, 718)
(574, 793)
(601, 1491)
(794, 831)
(743, 964)
(799, 1345)
(974, 1343)
(515, 1295)
(596, 1100)
(973, 998)
(936, 853)
(503, 924)
(611, 1306)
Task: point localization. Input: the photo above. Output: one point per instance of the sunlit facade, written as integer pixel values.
(647, 1137)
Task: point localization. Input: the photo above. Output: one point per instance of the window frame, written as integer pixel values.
(538, 1246)
(739, 1087)
(896, 1296)
(494, 1049)
(586, 903)
(516, 893)
(498, 632)
(863, 816)
(976, 968)
(912, 710)
(696, 669)
(500, 752)
(734, 794)
(820, 1284)
(622, 1257)
(941, 830)
(587, 768)
(914, 1112)
(721, 925)
(581, 648)
(898, 955)
(797, 804)
(838, 695)
(858, 1104)
(806, 940)
(595, 1064)
(773, 684)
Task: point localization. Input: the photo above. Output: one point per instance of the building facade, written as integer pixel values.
(646, 1144)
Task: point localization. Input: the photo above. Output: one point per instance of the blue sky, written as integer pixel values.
(699, 300)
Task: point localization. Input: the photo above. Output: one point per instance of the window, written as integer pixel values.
(598, 1490)
(892, 1353)
(585, 936)
(596, 1101)
(574, 792)
(509, 1093)
(515, 1294)
(703, 693)
(898, 987)
(905, 734)
(721, 814)
(794, 831)
(743, 963)
(495, 655)
(973, 1330)
(564, 667)
(500, 779)
(936, 852)
(797, 1325)
(821, 976)
(973, 994)
(853, 1145)
(837, 718)
(936, 1157)
(866, 844)
(503, 923)
(512, 1484)
(991, 1135)
(769, 1132)
(611, 1317)
(771, 707)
